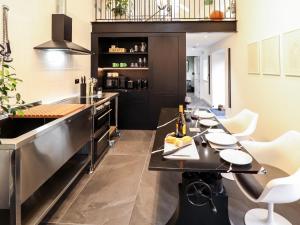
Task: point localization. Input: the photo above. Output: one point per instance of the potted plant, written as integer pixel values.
(9, 97)
(118, 7)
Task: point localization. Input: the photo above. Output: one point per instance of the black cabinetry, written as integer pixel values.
(165, 73)
(134, 110)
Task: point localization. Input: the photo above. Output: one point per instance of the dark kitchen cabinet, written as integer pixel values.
(167, 67)
(134, 110)
(159, 101)
(166, 72)
(164, 64)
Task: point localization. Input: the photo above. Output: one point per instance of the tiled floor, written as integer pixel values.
(197, 102)
(123, 192)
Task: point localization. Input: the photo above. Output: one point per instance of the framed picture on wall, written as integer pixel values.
(254, 58)
(291, 53)
(270, 50)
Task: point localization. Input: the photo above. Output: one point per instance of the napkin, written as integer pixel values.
(216, 130)
(195, 129)
(188, 153)
(212, 145)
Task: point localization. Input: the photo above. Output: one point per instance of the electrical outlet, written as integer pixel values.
(76, 81)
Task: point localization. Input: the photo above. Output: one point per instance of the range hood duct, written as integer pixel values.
(61, 7)
(62, 33)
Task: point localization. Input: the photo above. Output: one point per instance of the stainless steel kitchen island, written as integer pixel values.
(39, 160)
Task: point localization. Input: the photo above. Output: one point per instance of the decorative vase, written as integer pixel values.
(216, 15)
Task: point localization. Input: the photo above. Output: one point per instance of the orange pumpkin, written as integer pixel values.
(216, 15)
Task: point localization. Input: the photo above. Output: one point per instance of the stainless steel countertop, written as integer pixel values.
(15, 143)
(91, 100)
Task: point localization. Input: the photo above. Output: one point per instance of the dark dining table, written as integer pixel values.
(202, 196)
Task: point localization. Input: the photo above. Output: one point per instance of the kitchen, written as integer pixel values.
(78, 149)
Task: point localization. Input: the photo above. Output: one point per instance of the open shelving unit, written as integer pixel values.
(124, 53)
(133, 102)
(106, 58)
(122, 68)
(37, 207)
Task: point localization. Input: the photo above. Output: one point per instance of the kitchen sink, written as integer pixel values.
(15, 127)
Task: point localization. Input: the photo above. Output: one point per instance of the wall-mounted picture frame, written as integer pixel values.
(270, 56)
(291, 53)
(254, 58)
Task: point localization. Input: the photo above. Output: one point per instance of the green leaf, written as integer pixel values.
(208, 2)
(5, 109)
(8, 86)
(18, 97)
(20, 112)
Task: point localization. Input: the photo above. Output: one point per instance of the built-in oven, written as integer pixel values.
(101, 131)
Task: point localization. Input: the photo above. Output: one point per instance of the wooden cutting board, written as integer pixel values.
(50, 111)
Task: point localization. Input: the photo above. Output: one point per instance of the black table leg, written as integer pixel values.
(187, 213)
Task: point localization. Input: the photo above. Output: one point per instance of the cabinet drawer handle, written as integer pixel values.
(104, 114)
(103, 136)
(100, 108)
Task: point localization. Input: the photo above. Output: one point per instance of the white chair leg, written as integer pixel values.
(265, 217)
(228, 176)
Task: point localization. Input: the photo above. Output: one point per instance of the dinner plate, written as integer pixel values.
(204, 114)
(209, 123)
(221, 138)
(236, 157)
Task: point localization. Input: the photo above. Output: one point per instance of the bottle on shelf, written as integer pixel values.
(140, 63)
(180, 124)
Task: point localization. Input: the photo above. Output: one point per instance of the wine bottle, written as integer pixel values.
(180, 124)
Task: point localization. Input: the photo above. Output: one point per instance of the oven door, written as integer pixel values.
(102, 118)
(101, 143)
(101, 131)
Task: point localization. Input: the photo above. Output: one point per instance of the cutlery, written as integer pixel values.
(165, 124)
(203, 132)
(159, 150)
(188, 156)
(174, 150)
(221, 149)
(203, 141)
(227, 147)
(230, 168)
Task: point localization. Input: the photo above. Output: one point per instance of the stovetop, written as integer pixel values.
(89, 100)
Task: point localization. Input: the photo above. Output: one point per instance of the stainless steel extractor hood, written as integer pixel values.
(62, 34)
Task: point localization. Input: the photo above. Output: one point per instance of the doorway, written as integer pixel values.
(190, 74)
(206, 73)
(218, 78)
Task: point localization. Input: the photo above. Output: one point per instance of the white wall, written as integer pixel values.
(204, 85)
(274, 98)
(47, 76)
(189, 74)
(194, 51)
(218, 78)
(197, 70)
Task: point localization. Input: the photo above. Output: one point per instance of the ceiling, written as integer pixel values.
(204, 40)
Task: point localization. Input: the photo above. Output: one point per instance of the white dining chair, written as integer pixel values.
(242, 126)
(281, 184)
